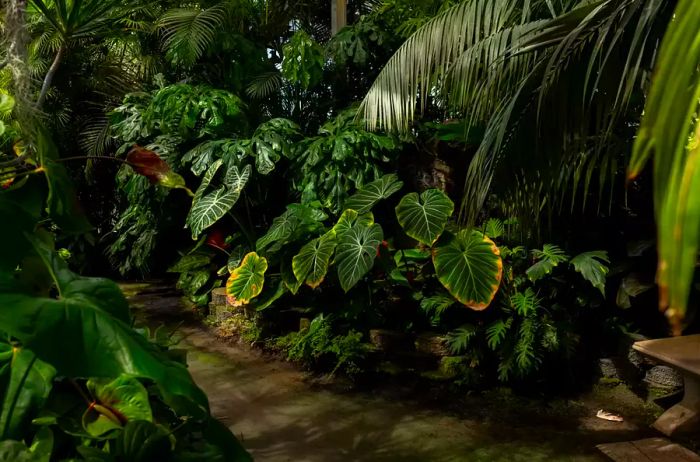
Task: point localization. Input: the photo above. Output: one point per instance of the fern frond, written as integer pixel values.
(496, 332)
(525, 303)
(459, 339)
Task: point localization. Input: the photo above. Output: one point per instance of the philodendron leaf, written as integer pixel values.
(424, 217)
(357, 249)
(116, 402)
(592, 267)
(548, 258)
(350, 218)
(28, 387)
(469, 265)
(246, 282)
(210, 207)
(311, 264)
(367, 197)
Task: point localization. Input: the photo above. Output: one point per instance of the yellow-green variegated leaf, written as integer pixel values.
(368, 196)
(310, 265)
(246, 282)
(424, 217)
(350, 218)
(469, 265)
(357, 249)
(209, 206)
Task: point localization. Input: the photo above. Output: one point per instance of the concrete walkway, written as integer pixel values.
(279, 417)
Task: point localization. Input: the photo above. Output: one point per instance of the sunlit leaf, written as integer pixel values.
(310, 265)
(424, 217)
(246, 282)
(469, 265)
(117, 402)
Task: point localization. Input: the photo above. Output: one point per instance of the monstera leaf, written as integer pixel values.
(469, 265)
(311, 264)
(351, 218)
(246, 282)
(298, 221)
(593, 268)
(367, 197)
(210, 207)
(117, 401)
(28, 387)
(424, 217)
(547, 259)
(357, 249)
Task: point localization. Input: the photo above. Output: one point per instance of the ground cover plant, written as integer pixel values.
(467, 171)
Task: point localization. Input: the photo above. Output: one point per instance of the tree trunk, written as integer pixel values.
(50, 75)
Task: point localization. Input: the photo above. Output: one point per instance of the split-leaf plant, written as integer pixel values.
(545, 298)
(77, 380)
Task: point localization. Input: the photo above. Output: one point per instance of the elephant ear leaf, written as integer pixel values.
(367, 197)
(357, 249)
(246, 282)
(593, 268)
(117, 402)
(208, 206)
(350, 218)
(424, 217)
(311, 264)
(469, 265)
(142, 441)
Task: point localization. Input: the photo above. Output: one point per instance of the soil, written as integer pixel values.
(281, 413)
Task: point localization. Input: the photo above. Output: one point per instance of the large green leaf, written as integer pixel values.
(357, 249)
(310, 265)
(63, 205)
(424, 217)
(29, 383)
(117, 401)
(246, 282)
(367, 197)
(593, 268)
(670, 119)
(142, 441)
(469, 265)
(210, 207)
(94, 316)
(351, 218)
(547, 259)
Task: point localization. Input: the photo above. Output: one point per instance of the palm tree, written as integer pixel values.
(558, 77)
(670, 132)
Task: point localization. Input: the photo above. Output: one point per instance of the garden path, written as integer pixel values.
(280, 416)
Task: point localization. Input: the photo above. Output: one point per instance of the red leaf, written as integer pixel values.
(148, 164)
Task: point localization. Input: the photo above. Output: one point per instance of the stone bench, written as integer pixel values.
(683, 354)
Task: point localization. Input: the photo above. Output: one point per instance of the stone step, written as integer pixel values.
(648, 450)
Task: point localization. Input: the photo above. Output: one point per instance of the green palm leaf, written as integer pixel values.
(667, 125)
(187, 33)
(424, 217)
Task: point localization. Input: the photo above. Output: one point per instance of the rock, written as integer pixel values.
(390, 341)
(608, 369)
(304, 324)
(430, 343)
(218, 296)
(220, 312)
(664, 377)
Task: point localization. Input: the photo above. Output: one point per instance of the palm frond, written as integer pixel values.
(264, 85)
(187, 33)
